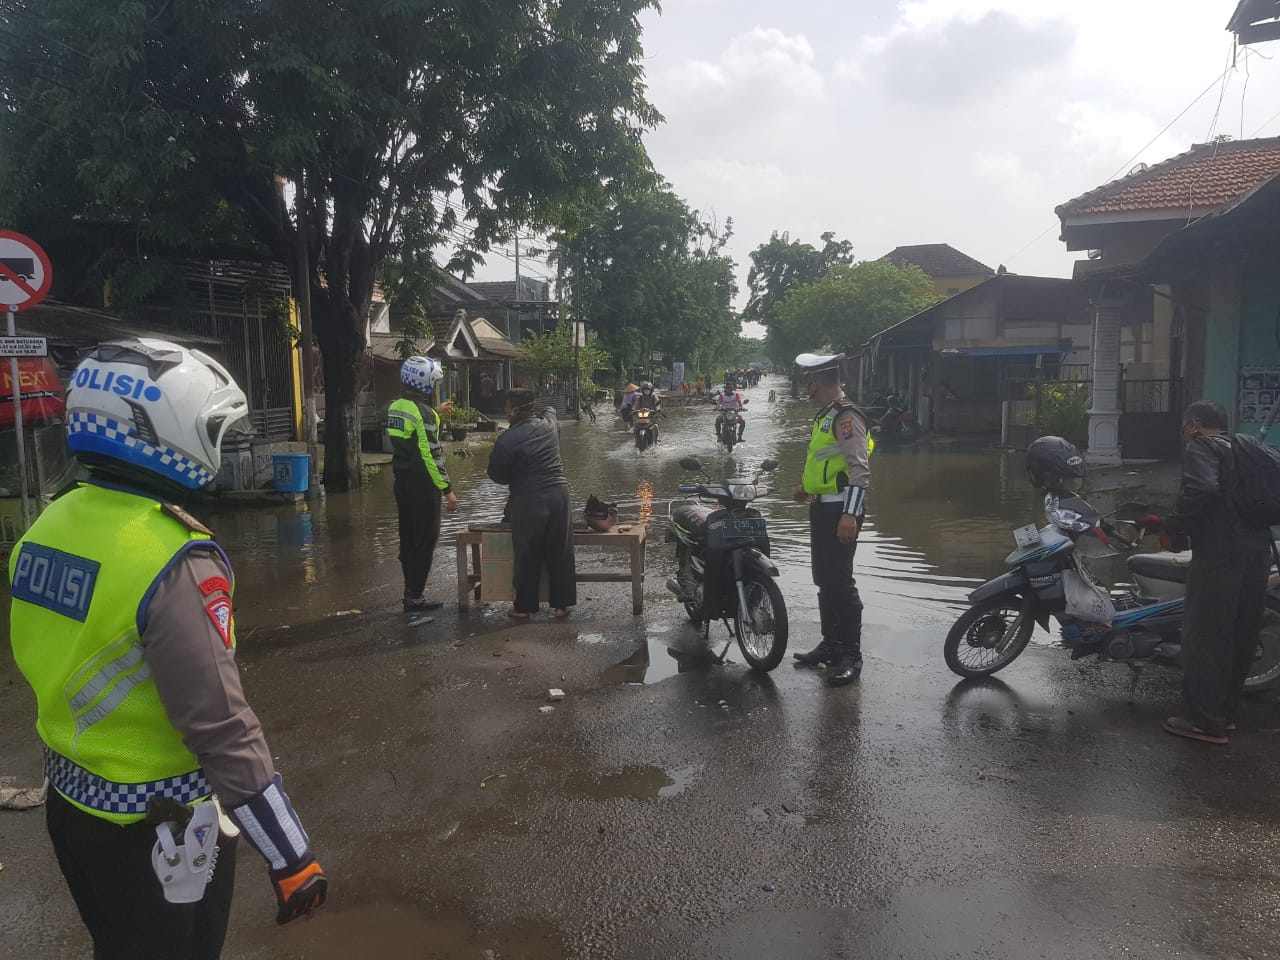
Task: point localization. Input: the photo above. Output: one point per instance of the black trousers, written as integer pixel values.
(108, 870)
(839, 605)
(542, 537)
(1226, 595)
(418, 502)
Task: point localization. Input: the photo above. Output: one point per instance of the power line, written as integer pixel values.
(1128, 163)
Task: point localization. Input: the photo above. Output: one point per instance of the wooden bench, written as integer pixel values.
(627, 536)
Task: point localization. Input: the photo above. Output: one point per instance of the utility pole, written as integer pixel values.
(309, 415)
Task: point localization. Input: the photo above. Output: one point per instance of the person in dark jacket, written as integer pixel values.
(526, 459)
(1226, 581)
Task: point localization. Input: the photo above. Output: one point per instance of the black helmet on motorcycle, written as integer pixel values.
(646, 387)
(1055, 465)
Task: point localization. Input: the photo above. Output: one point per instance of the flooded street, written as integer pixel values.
(670, 807)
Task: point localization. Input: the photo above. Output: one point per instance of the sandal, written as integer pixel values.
(517, 615)
(1182, 727)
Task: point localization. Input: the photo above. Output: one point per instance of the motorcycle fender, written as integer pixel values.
(752, 559)
(1015, 581)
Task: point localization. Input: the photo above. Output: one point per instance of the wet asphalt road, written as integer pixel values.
(671, 808)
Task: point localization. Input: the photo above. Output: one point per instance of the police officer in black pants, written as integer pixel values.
(837, 473)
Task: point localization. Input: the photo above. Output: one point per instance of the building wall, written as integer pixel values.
(1259, 327)
(950, 286)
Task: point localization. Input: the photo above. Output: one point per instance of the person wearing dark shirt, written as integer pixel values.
(526, 460)
(1226, 581)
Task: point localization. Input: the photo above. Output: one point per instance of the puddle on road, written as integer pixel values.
(660, 658)
(403, 933)
(632, 783)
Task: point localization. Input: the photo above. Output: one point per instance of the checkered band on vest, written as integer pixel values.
(92, 791)
(163, 460)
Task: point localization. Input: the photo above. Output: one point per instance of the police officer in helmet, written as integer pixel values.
(121, 622)
(421, 477)
(837, 474)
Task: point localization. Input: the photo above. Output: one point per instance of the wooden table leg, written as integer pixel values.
(475, 562)
(637, 578)
(464, 584)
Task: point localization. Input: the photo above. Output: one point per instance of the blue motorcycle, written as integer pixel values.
(1050, 579)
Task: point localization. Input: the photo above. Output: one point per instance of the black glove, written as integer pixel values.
(300, 890)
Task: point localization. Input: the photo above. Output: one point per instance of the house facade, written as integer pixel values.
(962, 362)
(950, 270)
(1152, 347)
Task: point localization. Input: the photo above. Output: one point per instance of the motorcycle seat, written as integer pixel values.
(693, 517)
(1166, 567)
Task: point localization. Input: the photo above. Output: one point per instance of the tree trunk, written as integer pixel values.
(341, 335)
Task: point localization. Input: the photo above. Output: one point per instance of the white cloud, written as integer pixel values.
(764, 64)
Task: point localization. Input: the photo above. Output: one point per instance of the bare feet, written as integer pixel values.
(562, 613)
(517, 615)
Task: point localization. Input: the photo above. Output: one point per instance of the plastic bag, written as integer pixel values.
(1086, 600)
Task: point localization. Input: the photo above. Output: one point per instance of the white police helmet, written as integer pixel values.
(421, 374)
(156, 406)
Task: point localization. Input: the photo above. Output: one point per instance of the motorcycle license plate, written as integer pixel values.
(744, 528)
(1027, 537)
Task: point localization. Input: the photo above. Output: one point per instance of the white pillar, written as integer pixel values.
(1104, 414)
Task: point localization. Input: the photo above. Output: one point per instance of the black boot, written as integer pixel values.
(846, 668)
(822, 653)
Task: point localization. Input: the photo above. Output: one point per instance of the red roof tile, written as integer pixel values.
(1207, 175)
(938, 260)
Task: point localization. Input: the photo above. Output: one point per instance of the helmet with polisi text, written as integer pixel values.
(154, 406)
(422, 374)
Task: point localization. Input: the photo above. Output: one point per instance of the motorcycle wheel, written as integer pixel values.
(728, 438)
(1264, 672)
(688, 582)
(642, 441)
(763, 637)
(988, 637)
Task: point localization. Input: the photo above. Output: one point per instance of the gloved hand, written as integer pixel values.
(300, 890)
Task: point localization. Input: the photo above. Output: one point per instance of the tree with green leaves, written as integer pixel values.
(553, 353)
(403, 127)
(783, 265)
(848, 305)
(649, 274)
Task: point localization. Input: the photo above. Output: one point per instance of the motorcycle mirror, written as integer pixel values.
(769, 465)
(690, 463)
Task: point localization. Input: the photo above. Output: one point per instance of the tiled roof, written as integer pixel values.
(938, 260)
(1207, 175)
(501, 291)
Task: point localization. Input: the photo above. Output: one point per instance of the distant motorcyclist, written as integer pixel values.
(647, 398)
(630, 393)
(730, 403)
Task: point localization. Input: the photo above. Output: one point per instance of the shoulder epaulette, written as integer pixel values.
(184, 518)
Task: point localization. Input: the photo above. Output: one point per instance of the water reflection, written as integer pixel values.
(940, 522)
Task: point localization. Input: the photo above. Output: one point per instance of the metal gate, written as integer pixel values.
(1040, 402)
(1150, 419)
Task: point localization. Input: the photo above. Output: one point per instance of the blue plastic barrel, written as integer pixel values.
(292, 470)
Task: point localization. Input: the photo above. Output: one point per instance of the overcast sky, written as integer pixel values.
(923, 121)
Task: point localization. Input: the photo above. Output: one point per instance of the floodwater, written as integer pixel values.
(940, 517)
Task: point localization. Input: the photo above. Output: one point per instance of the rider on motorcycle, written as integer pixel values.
(730, 404)
(647, 400)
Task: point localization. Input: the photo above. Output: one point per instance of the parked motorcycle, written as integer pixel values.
(724, 570)
(1136, 622)
(644, 427)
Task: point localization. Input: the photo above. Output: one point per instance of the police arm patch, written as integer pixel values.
(845, 427)
(215, 585)
(219, 611)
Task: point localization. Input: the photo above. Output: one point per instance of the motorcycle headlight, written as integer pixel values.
(743, 492)
(1064, 518)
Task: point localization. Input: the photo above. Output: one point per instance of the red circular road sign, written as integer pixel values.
(25, 272)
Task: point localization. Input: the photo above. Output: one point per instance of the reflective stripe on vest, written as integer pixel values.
(80, 576)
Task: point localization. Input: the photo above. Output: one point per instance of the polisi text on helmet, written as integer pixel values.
(122, 384)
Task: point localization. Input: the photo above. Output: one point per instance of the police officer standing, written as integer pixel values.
(837, 473)
(121, 622)
(421, 478)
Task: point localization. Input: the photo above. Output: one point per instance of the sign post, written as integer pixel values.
(25, 279)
